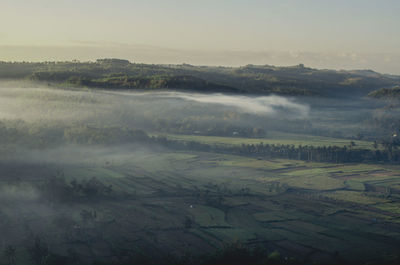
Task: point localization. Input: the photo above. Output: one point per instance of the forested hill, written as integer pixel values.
(251, 79)
(386, 93)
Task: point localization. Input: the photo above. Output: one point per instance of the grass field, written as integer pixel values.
(273, 138)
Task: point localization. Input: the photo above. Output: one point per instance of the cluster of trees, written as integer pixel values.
(189, 83)
(386, 93)
(386, 120)
(40, 253)
(58, 189)
(48, 135)
(85, 134)
(333, 154)
(39, 136)
(210, 127)
(234, 254)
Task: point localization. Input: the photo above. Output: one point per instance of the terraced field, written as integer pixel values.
(190, 201)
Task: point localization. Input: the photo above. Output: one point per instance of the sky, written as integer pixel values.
(321, 33)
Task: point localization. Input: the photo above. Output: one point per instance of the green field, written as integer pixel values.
(197, 201)
(230, 198)
(276, 138)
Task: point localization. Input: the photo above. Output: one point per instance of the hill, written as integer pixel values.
(386, 93)
(249, 79)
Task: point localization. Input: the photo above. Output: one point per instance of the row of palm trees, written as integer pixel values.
(333, 154)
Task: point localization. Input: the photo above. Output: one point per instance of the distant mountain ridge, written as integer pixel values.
(249, 79)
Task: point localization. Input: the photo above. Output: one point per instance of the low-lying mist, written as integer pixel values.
(179, 112)
(262, 105)
(42, 103)
(41, 124)
(97, 174)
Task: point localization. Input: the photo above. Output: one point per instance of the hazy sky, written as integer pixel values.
(361, 28)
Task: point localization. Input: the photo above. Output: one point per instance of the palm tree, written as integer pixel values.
(10, 252)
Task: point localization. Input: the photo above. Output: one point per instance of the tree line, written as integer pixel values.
(331, 154)
(84, 134)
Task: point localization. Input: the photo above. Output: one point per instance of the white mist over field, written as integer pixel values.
(263, 105)
(43, 104)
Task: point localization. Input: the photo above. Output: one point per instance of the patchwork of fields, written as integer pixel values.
(180, 202)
